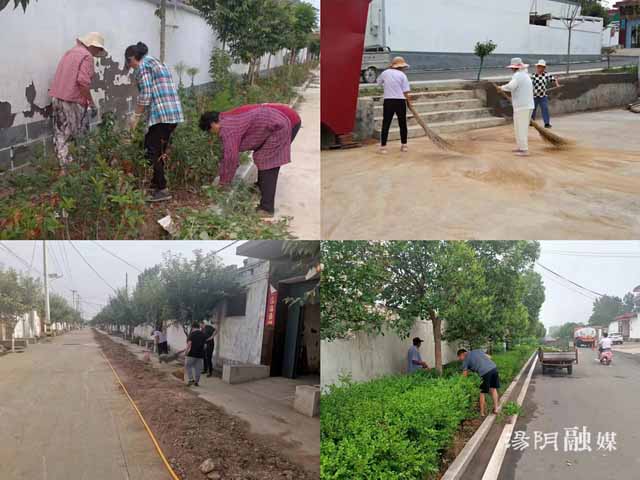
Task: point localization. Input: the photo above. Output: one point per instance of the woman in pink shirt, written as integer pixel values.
(71, 93)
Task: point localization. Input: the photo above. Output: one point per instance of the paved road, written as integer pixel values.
(472, 74)
(62, 416)
(604, 399)
(298, 193)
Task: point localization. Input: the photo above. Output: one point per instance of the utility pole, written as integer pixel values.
(47, 311)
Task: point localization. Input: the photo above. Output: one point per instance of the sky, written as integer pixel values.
(76, 275)
(606, 267)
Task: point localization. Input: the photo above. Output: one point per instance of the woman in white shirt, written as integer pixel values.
(521, 89)
(396, 97)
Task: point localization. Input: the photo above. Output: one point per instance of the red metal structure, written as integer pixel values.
(342, 39)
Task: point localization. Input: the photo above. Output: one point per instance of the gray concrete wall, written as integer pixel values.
(578, 93)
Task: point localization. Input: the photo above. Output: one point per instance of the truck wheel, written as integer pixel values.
(370, 75)
(570, 369)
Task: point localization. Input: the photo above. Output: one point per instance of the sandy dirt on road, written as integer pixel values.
(190, 429)
(483, 192)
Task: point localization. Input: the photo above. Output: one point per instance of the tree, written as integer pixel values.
(533, 298)
(162, 13)
(180, 68)
(483, 50)
(192, 72)
(435, 280)
(11, 301)
(504, 263)
(22, 3)
(629, 304)
(62, 312)
(608, 51)
(193, 288)
(595, 8)
(149, 298)
(605, 310)
(353, 275)
(305, 22)
(565, 332)
(570, 20)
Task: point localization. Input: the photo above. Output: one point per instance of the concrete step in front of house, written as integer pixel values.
(446, 116)
(438, 106)
(429, 96)
(429, 85)
(415, 131)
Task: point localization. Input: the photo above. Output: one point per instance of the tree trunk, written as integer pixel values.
(480, 70)
(437, 340)
(163, 28)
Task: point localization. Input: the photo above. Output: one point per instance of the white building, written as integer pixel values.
(627, 325)
(442, 33)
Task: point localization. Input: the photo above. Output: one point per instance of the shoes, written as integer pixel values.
(404, 148)
(516, 150)
(547, 125)
(262, 213)
(523, 153)
(196, 384)
(191, 382)
(159, 196)
(383, 151)
(209, 374)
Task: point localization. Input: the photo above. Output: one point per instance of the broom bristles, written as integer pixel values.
(437, 140)
(550, 137)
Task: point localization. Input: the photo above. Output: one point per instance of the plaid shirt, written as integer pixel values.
(158, 93)
(264, 130)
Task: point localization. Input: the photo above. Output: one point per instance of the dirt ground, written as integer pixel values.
(191, 430)
(588, 191)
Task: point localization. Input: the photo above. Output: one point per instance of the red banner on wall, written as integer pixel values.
(272, 302)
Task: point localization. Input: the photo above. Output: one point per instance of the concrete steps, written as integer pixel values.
(446, 109)
(444, 116)
(415, 131)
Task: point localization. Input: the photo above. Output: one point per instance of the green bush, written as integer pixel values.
(397, 427)
(394, 427)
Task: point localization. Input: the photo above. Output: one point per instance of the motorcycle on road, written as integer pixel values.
(606, 357)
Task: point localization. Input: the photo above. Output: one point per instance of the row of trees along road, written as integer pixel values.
(179, 291)
(182, 291)
(487, 292)
(20, 294)
(251, 29)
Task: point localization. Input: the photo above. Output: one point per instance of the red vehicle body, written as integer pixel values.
(342, 37)
(584, 337)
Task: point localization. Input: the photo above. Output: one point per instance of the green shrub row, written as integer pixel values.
(397, 427)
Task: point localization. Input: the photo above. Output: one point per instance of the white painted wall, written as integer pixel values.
(240, 338)
(454, 26)
(613, 327)
(176, 338)
(634, 328)
(365, 356)
(28, 326)
(32, 43)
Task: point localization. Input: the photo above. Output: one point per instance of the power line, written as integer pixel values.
(571, 289)
(570, 281)
(91, 266)
(593, 254)
(21, 260)
(226, 246)
(118, 257)
(65, 261)
(33, 253)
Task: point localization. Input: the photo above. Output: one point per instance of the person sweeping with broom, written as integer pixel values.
(521, 89)
(396, 98)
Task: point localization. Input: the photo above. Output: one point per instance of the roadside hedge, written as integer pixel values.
(397, 427)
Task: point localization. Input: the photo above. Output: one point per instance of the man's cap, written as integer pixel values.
(418, 340)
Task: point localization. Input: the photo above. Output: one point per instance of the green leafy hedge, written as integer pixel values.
(397, 427)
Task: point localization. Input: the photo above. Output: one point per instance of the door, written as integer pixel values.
(292, 340)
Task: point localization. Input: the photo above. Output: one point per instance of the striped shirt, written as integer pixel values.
(157, 93)
(264, 130)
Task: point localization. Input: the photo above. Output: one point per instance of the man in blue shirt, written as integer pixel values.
(479, 362)
(414, 359)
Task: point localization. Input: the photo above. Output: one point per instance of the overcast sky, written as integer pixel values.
(606, 267)
(76, 275)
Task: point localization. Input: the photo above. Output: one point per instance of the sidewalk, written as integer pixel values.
(298, 193)
(267, 405)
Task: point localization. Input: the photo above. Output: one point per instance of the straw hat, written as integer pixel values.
(541, 63)
(94, 39)
(398, 62)
(517, 63)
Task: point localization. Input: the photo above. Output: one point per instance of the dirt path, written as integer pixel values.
(485, 193)
(298, 194)
(191, 429)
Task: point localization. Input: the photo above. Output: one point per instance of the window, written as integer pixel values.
(237, 305)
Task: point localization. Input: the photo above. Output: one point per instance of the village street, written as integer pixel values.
(600, 398)
(63, 415)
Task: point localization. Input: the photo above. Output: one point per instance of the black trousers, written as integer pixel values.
(156, 142)
(267, 183)
(208, 357)
(294, 131)
(163, 347)
(391, 107)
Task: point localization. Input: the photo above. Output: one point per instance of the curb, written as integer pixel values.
(301, 89)
(458, 467)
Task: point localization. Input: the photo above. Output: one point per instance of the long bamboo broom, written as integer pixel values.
(548, 136)
(437, 140)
